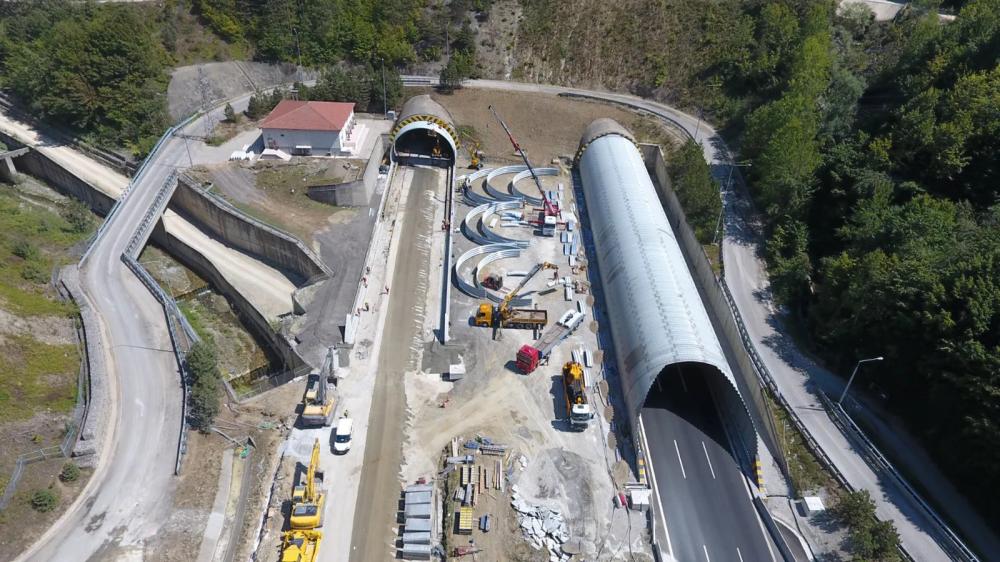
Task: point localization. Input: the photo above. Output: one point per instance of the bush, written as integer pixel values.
(78, 215)
(44, 500)
(34, 272)
(24, 249)
(870, 538)
(70, 472)
(203, 368)
(231, 115)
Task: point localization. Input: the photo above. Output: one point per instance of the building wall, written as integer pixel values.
(322, 142)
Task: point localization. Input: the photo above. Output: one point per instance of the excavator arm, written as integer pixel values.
(311, 473)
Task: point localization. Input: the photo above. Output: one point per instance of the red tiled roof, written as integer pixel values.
(309, 115)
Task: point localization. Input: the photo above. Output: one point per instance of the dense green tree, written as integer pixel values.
(696, 189)
(97, 69)
(203, 369)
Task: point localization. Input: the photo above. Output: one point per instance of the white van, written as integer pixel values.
(342, 436)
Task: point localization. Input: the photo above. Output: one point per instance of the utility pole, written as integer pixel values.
(385, 102)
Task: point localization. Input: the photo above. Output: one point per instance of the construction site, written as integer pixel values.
(501, 355)
(487, 413)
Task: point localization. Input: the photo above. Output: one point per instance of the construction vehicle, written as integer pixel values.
(318, 404)
(307, 499)
(476, 157)
(300, 546)
(577, 406)
(529, 357)
(504, 316)
(550, 208)
(494, 282)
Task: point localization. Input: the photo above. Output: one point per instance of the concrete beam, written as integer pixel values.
(8, 173)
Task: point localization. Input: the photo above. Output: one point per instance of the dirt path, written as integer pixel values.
(376, 513)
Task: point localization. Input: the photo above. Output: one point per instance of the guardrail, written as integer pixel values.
(850, 428)
(176, 322)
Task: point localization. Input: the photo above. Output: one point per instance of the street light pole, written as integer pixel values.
(853, 374)
(385, 103)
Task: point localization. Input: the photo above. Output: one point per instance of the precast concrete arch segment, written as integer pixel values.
(658, 322)
(422, 124)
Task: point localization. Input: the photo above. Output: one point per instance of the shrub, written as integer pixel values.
(203, 367)
(78, 215)
(34, 272)
(44, 500)
(70, 472)
(24, 249)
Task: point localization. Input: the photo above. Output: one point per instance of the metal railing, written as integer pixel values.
(957, 548)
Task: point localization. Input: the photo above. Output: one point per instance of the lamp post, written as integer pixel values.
(853, 374)
(385, 103)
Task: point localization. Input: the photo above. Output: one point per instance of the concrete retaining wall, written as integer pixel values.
(95, 415)
(357, 193)
(715, 301)
(234, 227)
(41, 166)
(280, 348)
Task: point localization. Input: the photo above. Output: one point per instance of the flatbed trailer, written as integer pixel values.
(530, 356)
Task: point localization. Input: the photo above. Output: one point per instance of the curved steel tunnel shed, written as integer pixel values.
(658, 321)
(424, 125)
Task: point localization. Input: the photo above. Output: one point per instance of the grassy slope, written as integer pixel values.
(33, 375)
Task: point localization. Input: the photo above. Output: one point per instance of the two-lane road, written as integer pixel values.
(706, 502)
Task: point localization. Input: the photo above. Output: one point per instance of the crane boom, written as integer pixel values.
(550, 208)
(534, 271)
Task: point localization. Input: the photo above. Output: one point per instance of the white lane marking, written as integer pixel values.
(141, 406)
(707, 559)
(678, 449)
(738, 553)
(683, 382)
(703, 448)
(652, 479)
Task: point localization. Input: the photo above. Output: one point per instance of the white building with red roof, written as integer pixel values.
(310, 128)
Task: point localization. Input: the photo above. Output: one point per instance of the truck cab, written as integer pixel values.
(484, 315)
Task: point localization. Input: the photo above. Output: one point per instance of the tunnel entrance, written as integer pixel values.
(694, 421)
(698, 400)
(424, 146)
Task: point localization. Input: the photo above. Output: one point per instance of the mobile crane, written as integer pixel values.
(551, 209)
(307, 499)
(503, 316)
(578, 408)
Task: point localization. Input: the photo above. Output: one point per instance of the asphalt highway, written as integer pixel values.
(707, 505)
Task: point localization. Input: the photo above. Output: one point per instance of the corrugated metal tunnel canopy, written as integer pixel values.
(657, 318)
(423, 124)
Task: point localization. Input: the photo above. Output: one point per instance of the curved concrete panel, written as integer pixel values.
(474, 289)
(540, 172)
(499, 194)
(494, 237)
(657, 317)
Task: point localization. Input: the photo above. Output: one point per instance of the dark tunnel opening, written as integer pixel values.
(694, 422)
(692, 398)
(424, 143)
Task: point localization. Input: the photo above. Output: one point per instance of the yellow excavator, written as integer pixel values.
(476, 156)
(503, 316)
(307, 499)
(300, 546)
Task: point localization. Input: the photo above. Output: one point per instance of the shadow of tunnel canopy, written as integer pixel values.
(699, 394)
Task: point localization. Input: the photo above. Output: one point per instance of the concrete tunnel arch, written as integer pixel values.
(659, 325)
(424, 125)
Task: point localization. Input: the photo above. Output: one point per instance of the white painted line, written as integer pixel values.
(703, 448)
(707, 559)
(652, 480)
(683, 382)
(738, 553)
(678, 449)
